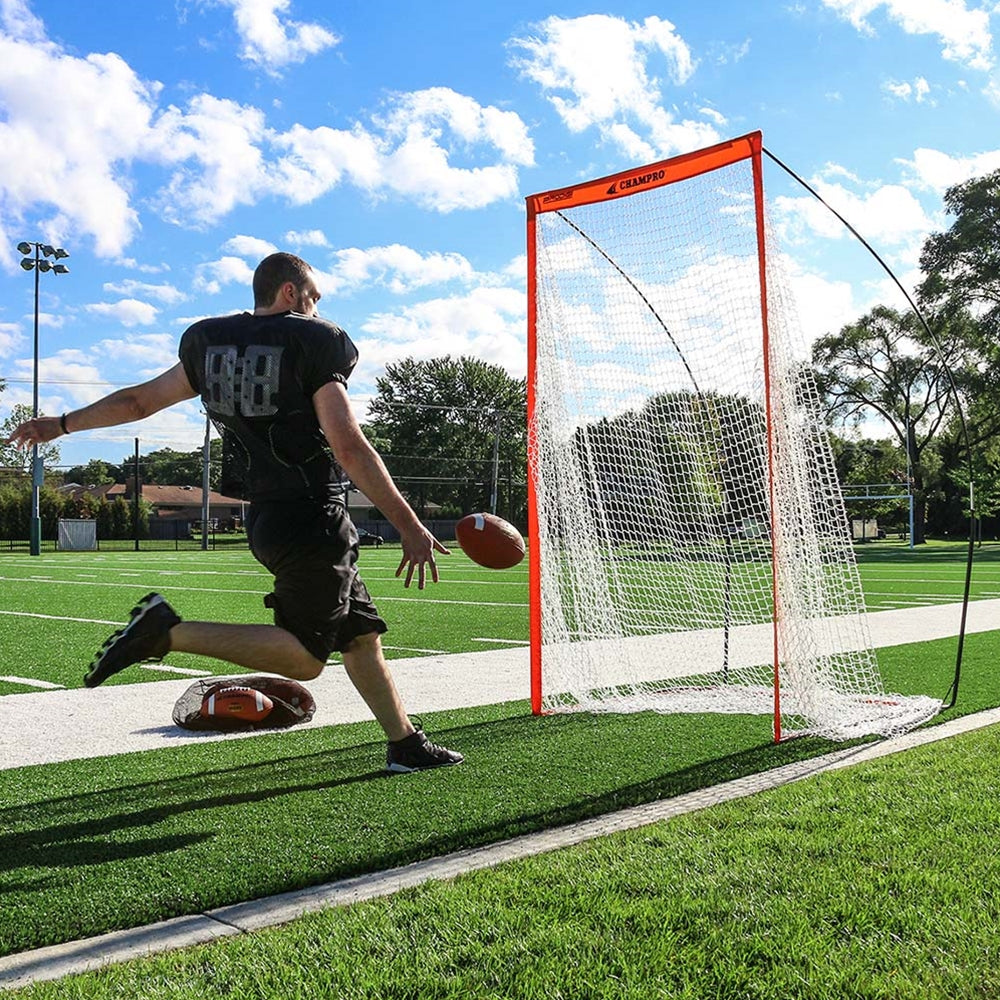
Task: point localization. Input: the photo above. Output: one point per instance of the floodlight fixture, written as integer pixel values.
(60, 254)
(60, 268)
(28, 264)
(44, 265)
(23, 247)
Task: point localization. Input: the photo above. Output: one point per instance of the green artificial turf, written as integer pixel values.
(88, 846)
(878, 881)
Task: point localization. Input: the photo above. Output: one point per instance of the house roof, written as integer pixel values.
(183, 496)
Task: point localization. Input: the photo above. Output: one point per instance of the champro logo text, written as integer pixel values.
(637, 181)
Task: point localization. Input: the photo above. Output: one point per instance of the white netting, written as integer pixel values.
(653, 477)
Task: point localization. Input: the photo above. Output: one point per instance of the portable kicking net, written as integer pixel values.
(690, 550)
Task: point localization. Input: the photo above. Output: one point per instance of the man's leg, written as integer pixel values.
(369, 673)
(267, 648)
(154, 629)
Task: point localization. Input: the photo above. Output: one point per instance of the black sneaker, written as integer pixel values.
(146, 637)
(416, 753)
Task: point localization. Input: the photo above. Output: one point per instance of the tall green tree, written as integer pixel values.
(96, 472)
(12, 457)
(962, 264)
(438, 423)
(962, 268)
(884, 365)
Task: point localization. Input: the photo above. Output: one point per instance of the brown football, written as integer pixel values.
(238, 703)
(490, 540)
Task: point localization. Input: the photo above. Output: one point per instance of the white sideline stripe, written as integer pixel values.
(186, 671)
(505, 642)
(61, 618)
(30, 682)
(261, 593)
(75, 957)
(416, 649)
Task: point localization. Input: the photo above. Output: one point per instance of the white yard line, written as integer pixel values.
(30, 682)
(164, 668)
(61, 618)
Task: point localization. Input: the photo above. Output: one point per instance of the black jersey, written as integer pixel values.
(257, 376)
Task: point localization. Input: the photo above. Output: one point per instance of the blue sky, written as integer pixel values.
(169, 145)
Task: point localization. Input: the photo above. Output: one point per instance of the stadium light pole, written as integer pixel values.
(38, 263)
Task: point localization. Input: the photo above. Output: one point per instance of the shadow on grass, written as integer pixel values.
(318, 816)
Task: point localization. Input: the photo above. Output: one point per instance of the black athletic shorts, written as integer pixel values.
(318, 595)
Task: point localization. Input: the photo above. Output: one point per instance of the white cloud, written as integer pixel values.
(487, 323)
(224, 271)
(428, 127)
(145, 354)
(249, 246)
(411, 152)
(272, 40)
(167, 294)
(68, 369)
(68, 154)
(19, 22)
(219, 145)
(128, 312)
(964, 32)
(936, 171)
(904, 91)
(602, 71)
(307, 238)
(75, 157)
(398, 268)
(11, 339)
(55, 321)
(887, 214)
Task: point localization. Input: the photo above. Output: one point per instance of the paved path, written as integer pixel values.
(49, 726)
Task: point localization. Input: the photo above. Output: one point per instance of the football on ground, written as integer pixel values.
(243, 703)
(490, 540)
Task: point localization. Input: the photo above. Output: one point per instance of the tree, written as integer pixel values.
(167, 467)
(884, 364)
(12, 457)
(96, 472)
(962, 265)
(439, 422)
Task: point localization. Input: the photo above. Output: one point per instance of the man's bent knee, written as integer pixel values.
(365, 641)
(307, 668)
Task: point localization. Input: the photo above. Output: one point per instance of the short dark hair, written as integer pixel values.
(272, 272)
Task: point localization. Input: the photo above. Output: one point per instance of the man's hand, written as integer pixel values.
(38, 430)
(419, 546)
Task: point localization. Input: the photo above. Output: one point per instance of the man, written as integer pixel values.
(275, 383)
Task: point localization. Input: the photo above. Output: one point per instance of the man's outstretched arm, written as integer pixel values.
(121, 407)
(364, 465)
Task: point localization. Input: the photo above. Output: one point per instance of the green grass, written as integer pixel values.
(881, 881)
(88, 847)
(470, 604)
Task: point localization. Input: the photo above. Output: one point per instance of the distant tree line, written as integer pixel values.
(115, 519)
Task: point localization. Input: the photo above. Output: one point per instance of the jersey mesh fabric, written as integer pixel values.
(256, 376)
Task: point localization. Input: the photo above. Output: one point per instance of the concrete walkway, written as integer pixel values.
(50, 726)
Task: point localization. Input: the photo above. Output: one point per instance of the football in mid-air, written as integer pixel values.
(242, 704)
(490, 540)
